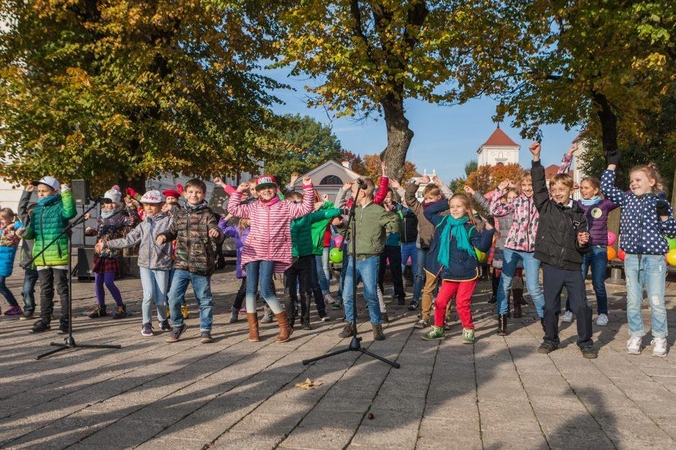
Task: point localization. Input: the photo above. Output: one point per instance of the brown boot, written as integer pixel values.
(285, 329)
(252, 318)
(518, 295)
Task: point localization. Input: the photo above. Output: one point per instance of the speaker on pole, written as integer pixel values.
(80, 190)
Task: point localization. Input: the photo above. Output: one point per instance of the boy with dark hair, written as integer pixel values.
(372, 223)
(195, 228)
(48, 220)
(561, 240)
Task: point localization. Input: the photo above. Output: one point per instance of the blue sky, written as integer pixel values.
(446, 137)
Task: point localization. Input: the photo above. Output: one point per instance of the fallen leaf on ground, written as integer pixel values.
(308, 384)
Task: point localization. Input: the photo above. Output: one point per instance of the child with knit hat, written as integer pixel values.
(49, 219)
(154, 259)
(112, 223)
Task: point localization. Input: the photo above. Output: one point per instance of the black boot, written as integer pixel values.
(542, 322)
(502, 325)
(518, 295)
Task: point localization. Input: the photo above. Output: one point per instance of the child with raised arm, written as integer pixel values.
(267, 249)
(645, 220)
(154, 260)
(454, 246)
(195, 229)
(48, 221)
(372, 223)
(9, 242)
(562, 241)
(519, 246)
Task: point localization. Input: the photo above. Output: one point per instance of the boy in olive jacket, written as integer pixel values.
(372, 223)
(48, 220)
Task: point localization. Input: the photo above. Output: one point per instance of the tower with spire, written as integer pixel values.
(498, 149)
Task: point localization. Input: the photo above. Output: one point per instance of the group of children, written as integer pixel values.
(288, 234)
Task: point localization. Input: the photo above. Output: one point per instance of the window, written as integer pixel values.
(331, 179)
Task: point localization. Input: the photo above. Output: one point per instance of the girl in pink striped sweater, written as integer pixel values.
(267, 249)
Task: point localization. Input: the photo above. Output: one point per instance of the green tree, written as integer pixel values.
(307, 144)
(121, 90)
(471, 166)
(369, 57)
(587, 64)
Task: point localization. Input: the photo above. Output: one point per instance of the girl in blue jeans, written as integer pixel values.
(645, 220)
(596, 211)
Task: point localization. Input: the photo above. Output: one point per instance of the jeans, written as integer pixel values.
(28, 289)
(201, 286)
(155, 284)
(367, 272)
(410, 250)
(532, 269)
(171, 278)
(651, 271)
(317, 291)
(419, 274)
(263, 271)
(343, 269)
(323, 273)
(597, 259)
(5, 292)
(48, 276)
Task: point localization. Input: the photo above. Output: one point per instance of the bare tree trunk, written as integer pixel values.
(399, 137)
(608, 121)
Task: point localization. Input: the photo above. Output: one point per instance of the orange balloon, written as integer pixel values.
(611, 253)
(621, 254)
(671, 257)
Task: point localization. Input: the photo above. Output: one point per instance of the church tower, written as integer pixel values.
(498, 149)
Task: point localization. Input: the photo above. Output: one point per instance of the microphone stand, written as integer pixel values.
(355, 343)
(69, 341)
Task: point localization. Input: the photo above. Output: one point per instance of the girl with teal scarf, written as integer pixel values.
(456, 240)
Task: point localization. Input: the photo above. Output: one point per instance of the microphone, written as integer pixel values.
(362, 184)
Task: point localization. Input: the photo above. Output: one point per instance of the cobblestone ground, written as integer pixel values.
(498, 393)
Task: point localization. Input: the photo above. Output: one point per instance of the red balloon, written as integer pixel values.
(621, 254)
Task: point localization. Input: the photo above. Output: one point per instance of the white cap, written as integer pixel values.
(113, 195)
(152, 197)
(49, 181)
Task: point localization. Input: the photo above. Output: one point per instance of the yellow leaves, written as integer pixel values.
(79, 77)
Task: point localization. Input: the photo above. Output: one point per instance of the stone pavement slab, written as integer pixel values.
(498, 393)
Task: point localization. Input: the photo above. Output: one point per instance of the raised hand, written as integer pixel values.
(504, 185)
(469, 190)
(394, 184)
(243, 187)
(535, 148)
(307, 181)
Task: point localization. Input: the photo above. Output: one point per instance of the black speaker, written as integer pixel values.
(80, 189)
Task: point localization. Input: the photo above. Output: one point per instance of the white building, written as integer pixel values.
(329, 177)
(498, 149)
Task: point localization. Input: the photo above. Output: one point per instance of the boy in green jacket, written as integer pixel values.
(48, 220)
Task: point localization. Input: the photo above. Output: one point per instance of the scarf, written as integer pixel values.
(270, 202)
(107, 214)
(456, 229)
(592, 201)
(47, 200)
(192, 208)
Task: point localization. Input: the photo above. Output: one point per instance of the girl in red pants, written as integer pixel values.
(456, 239)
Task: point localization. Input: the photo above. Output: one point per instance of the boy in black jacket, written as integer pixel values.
(562, 238)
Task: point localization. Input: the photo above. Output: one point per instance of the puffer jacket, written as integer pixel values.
(151, 255)
(641, 229)
(425, 227)
(233, 231)
(113, 227)
(270, 235)
(9, 242)
(48, 220)
(319, 228)
(195, 250)
(303, 241)
(525, 216)
(556, 243)
(463, 267)
(26, 246)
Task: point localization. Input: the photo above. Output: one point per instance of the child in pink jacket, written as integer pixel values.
(267, 249)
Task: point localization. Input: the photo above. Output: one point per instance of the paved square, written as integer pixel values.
(496, 394)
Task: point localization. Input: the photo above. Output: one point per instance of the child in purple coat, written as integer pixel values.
(240, 233)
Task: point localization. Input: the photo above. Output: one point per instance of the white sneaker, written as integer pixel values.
(659, 347)
(567, 317)
(328, 299)
(634, 345)
(602, 320)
